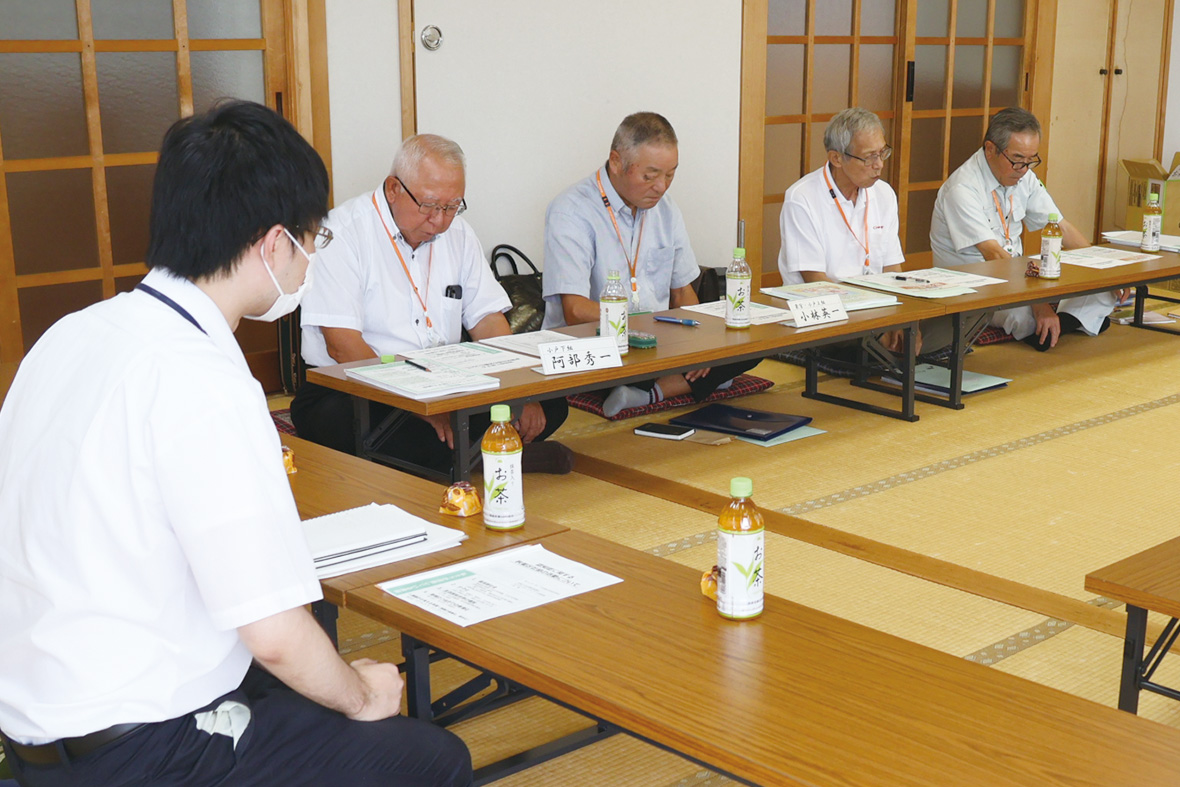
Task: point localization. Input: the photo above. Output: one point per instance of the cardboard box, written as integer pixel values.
(1147, 176)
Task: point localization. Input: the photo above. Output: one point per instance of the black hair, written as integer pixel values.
(224, 178)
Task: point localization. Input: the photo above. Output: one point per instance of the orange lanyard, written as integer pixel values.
(864, 245)
(631, 262)
(1003, 221)
(405, 267)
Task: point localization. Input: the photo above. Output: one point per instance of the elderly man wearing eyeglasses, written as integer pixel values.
(406, 272)
(983, 208)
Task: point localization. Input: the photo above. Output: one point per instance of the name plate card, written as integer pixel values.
(579, 355)
(817, 311)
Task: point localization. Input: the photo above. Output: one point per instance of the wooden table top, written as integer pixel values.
(678, 347)
(328, 481)
(795, 696)
(1019, 289)
(1149, 579)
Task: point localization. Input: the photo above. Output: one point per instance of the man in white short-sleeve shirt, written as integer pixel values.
(840, 221)
(405, 273)
(983, 208)
(620, 219)
(153, 549)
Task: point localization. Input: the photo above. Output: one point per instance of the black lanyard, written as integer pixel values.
(162, 298)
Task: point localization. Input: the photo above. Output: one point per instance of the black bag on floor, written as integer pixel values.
(524, 290)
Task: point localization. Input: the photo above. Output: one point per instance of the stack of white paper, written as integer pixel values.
(852, 298)
(440, 380)
(372, 535)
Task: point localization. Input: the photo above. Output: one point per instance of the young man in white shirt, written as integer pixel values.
(407, 272)
(154, 550)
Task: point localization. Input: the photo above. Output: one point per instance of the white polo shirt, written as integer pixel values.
(144, 514)
(360, 284)
(965, 212)
(815, 237)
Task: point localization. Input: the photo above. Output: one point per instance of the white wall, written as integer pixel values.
(533, 91)
(1172, 116)
(364, 87)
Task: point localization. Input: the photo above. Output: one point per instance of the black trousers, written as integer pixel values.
(290, 741)
(706, 385)
(324, 416)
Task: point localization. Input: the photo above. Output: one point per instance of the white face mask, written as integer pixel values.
(287, 302)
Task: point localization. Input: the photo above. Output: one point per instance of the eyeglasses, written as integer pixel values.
(874, 158)
(323, 236)
(1021, 166)
(449, 211)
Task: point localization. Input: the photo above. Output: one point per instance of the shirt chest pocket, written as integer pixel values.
(452, 319)
(657, 268)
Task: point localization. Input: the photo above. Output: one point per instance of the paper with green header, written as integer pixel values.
(500, 584)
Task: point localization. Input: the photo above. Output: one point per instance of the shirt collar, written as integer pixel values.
(616, 201)
(990, 183)
(835, 188)
(202, 308)
(387, 215)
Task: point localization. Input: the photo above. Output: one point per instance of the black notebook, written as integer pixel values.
(756, 424)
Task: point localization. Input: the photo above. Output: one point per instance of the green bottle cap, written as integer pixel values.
(613, 275)
(741, 487)
(739, 253)
(501, 412)
(1054, 217)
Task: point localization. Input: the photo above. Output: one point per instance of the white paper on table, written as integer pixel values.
(372, 535)
(760, 313)
(470, 357)
(526, 343)
(1133, 238)
(498, 584)
(1102, 257)
(955, 278)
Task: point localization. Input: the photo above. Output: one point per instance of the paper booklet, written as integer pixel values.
(927, 283)
(1104, 257)
(470, 357)
(526, 343)
(406, 380)
(372, 535)
(852, 298)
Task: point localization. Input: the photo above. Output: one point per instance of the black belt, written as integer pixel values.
(50, 753)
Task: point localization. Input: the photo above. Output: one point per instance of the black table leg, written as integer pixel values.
(1132, 658)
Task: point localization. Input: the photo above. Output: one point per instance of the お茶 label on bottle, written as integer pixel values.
(740, 558)
(503, 492)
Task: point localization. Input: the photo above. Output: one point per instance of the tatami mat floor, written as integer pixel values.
(1068, 469)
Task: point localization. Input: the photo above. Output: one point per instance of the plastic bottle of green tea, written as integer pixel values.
(612, 311)
(740, 554)
(503, 492)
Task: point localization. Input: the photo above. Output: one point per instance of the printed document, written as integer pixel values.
(470, 357)
(406, 380)
(1102, 257)
(852, 298)
(526, 343)
(372, 535)
(760, 313)
(498, 584)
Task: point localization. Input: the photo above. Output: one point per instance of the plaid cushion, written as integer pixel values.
(282, 419)
(993, 334)
(742, 385)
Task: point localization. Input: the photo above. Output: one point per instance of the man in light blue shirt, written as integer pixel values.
(983, 208)
(619, 219)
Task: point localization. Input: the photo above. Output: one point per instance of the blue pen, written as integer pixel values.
(677, 320)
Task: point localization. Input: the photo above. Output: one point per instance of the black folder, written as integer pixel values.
(755, 424)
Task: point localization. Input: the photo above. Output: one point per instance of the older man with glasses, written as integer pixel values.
(405, 272)
(840, 221)
(987, 203)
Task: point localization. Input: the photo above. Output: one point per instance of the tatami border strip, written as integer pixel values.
(921, 473)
